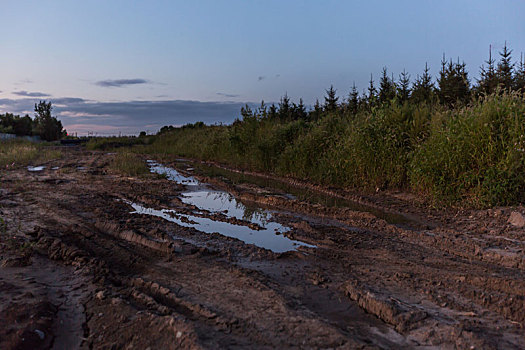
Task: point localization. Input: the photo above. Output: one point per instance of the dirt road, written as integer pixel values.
(94, 259)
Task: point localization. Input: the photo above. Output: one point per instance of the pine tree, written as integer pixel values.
(387, 87)
(272, 112)
(453, 83)
(330, 100)
(285, 108)
(316, 113)
(519, 76)
(246, 112)
(300, 111)
(262, 112)
(353, 100)
(423, 87)
(488, 81)
(403, 91)
(372, 93)
(505, 68)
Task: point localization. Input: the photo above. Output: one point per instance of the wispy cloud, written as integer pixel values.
(24, 82)
(227, 95)
(30, 94)
(261, 78)
(121, 82)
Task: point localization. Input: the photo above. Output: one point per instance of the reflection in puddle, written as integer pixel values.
(214, 201)
(172, 174)
(35, 168)
(265, 238)
(294, 192)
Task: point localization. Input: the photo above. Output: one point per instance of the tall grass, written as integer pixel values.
(476, 154)
(19, 153)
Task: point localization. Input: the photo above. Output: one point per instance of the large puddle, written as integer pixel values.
(259, 228)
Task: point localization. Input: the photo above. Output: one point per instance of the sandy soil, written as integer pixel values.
(79, 270)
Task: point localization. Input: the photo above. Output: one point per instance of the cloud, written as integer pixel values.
(30, 94)
(129, 117)
(24, 82)
(121, 82)
(261, 77)
(227, 95)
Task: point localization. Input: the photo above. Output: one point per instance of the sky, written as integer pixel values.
(113, 67)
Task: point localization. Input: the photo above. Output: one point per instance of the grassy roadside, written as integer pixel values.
(21, 153)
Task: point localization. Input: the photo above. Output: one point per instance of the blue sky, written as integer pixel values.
(201, 60)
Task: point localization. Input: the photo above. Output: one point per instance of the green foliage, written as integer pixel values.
(49, 128)
(475, 153)
(454, 84)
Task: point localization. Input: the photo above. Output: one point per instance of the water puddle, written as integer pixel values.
(293, 192)
(35, 168)
(259, 228)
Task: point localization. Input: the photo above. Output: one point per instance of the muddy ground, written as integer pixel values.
(79, 270)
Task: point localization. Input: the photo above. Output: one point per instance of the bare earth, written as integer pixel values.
(79, 270)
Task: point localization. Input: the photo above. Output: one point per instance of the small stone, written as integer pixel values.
(517, 219)
(40, 334)
(179, 334)
(100, 295)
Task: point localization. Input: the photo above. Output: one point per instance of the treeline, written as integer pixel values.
(452, 88)
(46, 126)
(446, 138)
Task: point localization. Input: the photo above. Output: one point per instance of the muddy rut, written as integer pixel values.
(82, 267)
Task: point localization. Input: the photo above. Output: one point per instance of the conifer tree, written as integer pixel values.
(315, 114)
(372, 93)
(353, 100)
(519, 76)
(262, 111)
(488, 81)
(272, 112)
(285, 108)
(505, 68)
(330, 100)
(453, 83)
(403, 90)
(423, 87)
(300, 110)
(387, 87)
(246, 112)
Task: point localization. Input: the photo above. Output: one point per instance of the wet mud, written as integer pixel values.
(93, 259)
